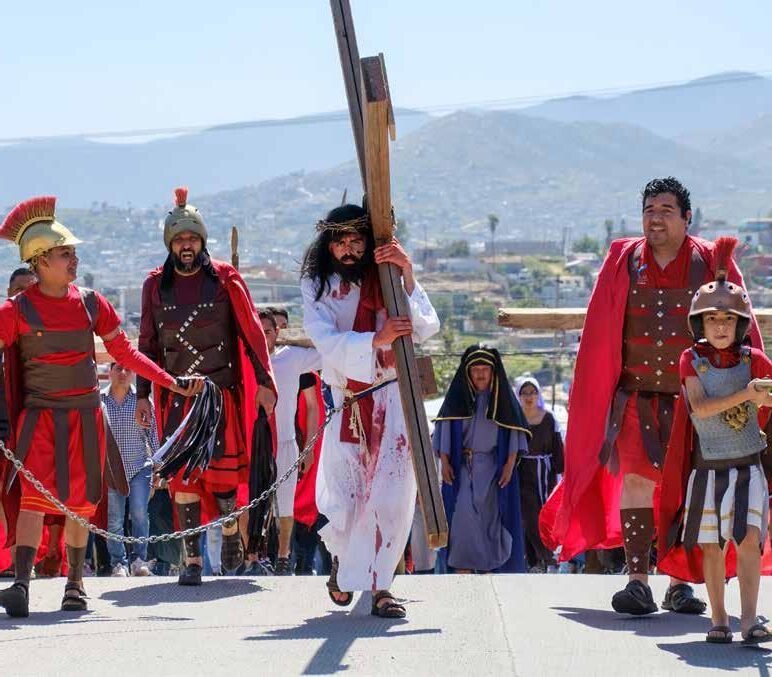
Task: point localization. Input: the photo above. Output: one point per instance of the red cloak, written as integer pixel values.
(583, 510)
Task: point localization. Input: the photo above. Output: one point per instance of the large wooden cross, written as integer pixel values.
(372, 121)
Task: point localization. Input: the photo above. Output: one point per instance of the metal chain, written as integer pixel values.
(193, 531)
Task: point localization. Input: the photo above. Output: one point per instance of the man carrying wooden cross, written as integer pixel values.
(366, 485)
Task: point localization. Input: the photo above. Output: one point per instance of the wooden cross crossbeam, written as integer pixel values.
(565, 319)
(371, 112)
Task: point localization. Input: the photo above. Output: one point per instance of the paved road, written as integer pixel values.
(470, 625)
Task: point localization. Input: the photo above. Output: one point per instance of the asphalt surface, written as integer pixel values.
(471, 625)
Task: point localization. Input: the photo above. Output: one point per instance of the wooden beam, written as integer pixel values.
(349, 63)
(557, 319)
(376, 127)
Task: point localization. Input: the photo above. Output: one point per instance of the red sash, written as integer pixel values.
(370, 302)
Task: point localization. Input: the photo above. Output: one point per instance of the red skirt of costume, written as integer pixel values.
(41, 461)
(232, 468)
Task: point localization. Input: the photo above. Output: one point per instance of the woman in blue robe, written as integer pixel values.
(479, 433)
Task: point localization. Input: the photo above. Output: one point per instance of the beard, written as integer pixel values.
(188, 267)
(351, 269)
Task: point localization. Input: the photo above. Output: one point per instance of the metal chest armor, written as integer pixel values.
(198, 338)
(656, 330)
(734, 433)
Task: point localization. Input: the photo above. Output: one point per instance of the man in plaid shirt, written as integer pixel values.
(137, 445)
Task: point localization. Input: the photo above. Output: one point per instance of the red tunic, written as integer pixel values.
(67, 313)
(63, 314)
(583, 511)
(674, 559)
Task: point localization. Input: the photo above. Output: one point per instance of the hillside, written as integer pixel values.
(751, 142)
(715, 103)
(122, 171)
(536, 175)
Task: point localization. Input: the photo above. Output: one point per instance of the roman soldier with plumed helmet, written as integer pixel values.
(198, 318)
(58, 428)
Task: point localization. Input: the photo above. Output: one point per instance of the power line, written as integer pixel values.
(337, 116)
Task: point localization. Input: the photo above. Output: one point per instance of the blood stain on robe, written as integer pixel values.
(342, 291)
(378, 539)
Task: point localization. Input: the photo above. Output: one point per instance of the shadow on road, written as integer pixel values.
(339, 630)
(172, 593)
(732, 657)
(665, 624)
(48, 618)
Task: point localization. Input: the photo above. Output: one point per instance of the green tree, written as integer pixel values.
(459, 249)
(493, 223)
(586, 245)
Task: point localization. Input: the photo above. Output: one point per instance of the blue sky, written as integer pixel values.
(86, 66)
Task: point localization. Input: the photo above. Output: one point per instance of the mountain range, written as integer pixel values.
(568, 162)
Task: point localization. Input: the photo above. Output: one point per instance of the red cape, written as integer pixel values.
(306, 511)
(676, 560)
(250, 332)
(583, 510)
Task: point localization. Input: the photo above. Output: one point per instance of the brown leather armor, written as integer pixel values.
(198, 338)
(656, 331)
(655, 334)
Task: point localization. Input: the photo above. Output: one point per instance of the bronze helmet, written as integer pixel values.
(721, 295)
(183, 217)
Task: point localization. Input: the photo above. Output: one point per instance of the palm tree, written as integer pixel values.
(493, 221)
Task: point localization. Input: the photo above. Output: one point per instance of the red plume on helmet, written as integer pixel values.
(181, 196)
(722, 252)
(25, 214)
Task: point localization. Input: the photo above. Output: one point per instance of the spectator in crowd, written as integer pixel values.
(281, 316)
(137, 445)
(538, 470)
(288, 364)
(479, 433)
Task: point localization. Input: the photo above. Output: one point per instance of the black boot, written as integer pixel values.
(16, 598)
(681, 599)
(635, 599)
(189, 516)
(190, 575)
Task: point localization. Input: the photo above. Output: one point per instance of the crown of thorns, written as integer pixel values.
(356, 225)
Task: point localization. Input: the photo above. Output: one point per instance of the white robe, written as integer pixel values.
(288, 363)
(369, 502)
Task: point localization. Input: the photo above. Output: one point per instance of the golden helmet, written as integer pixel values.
(33, 226)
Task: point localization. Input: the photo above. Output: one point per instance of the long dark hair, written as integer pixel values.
(319, 264)
(167, 275)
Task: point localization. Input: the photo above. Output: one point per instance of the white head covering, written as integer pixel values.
(527, 378)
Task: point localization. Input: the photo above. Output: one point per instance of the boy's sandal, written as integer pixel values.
(724, 638)
(751, 639)
(391, 609)
(332, 586)
(74, 602)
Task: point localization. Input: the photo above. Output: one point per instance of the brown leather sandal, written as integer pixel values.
(76, 602)
(391, 609)
(332, 586)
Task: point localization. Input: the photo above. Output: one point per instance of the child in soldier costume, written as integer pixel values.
(55, 413)
(715, 501)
